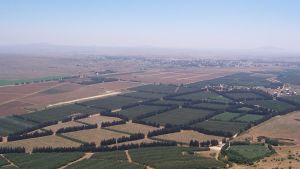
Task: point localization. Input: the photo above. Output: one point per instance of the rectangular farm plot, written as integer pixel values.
(104, 164)
(212, 106)
(250, 118)
(178, 116)
(144, 95)
(226, 116)
(60, 113)
(94, 135)
(250, 152)
(98, 119)
(114, 102)
(42, 160)
(244, 109)
(47, 141)
(172, 158)
(168, 102)
(293, 99)
(106, 160)
(185, 136)
(243, 95)
(139, 110)
(12, 124)
(272, 104)
(205, 95)
(133, 128)
(152, 88)
(55, 127)
(3, 161)
(221, 126)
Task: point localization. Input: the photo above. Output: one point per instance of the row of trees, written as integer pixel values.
(163, 131)
(142, 116)
(91, 147)
(14, 137)
(36, 127)
(113, 123)
(81, 116)
(5, 150)
(76, 128)
(195, 143)
(153, 124)
(1, 139)
(111, 114)
(132, 137)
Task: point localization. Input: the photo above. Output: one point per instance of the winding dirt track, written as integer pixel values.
(86, 156)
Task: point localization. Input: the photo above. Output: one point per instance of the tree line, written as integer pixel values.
(113, 123)
(163, 131)
(195, 143)
(111, 114)
(132, 137)
(5, 150)
(76, 128)
(14, 137)
(153, 124)
(91, 147)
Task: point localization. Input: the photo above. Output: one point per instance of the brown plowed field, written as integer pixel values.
(176, 76)
(20, 99)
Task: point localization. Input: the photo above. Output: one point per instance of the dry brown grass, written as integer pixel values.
(281, 127)
(55, 127)
(133, 128)
(94, 135)
(98, 119)
(46, 141)
(146, 140)
(185, 136)
(177, 76)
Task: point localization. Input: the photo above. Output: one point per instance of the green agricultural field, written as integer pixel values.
(136, 111)
(8, 167)
(212, 106)
(245, 109)
(144, 95)
(211, 96)
(178, 116)
(227, 116)
(243, 96)
(59, 113)
(272, 104)
(289, 76)
(43, 160)
(104, 164)
(114, 102)
(172, 158)
(11, 124)
(186, 89)
(247, 154)
(152, 88)
(167, 102)
(114, 155)
(294, 99)
(3, 161)
(249, 118)
(27, 81)
(237, 79)
(222, 126)
(106, 160)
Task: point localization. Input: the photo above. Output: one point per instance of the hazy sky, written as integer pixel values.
(227, 24)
